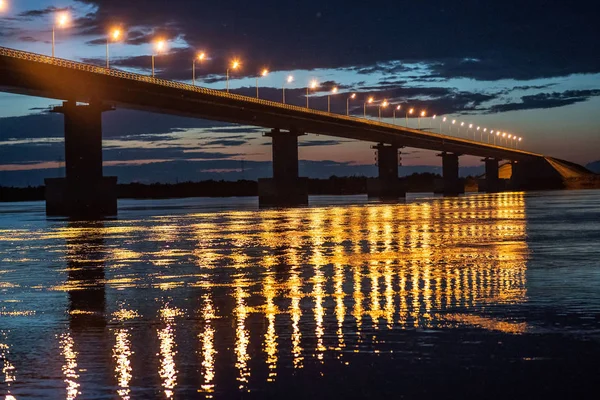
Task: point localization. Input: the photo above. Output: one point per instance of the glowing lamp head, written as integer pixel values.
(497, 133)
(290, 79)
(510, 136)
(470, 126)
(434, 116)
(160, 45)
(62, 19)
(422, 113)
(478, 128)
(235, 64)
(2, 5)
(520, 139)
(264, 72)
(485, 129)
(384, 103)
(115, 34)
(462, 124)
(444, 119)
(334, 90)
(453, 121)
(412, 110)
(353, 96)
(370, 100)
(202, 56)
(398, 107)
(313, 84)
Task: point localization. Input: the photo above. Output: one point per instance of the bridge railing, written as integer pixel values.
(199, 89)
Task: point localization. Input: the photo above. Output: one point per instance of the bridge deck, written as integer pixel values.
(44, 76)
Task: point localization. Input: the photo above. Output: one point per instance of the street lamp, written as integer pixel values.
(114, 35)
(504, 136)
(383, 104)
(461, 124)
(398, 108)
(517, 143)
(470, 127)
(235, 64)
(412, 110)
(158, 46)
(62, 19)
(2, 5)
(263, 73)
(480, 134)
(443, 120)
(453, 123)
(334, 90)
(431, 122)
(312, 85)
(369, 101)
(200, 57)
(352, 96)
(289, 79)
(422, 115)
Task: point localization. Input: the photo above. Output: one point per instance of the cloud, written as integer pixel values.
(547, 100)
(473, 39)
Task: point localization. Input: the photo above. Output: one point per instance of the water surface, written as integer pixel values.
(481, 295)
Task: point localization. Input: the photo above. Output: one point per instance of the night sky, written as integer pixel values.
(527, 67)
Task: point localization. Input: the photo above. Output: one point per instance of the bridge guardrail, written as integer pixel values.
(199, 89)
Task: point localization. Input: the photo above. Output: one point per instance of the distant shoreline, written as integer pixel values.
(419, 182)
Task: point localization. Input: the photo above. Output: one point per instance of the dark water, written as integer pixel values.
(482, 296)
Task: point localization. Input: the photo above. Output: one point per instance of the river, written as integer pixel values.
(493, 296)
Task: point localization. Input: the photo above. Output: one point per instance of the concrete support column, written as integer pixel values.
(84, 192)
(387, 184)
(491, 183)
(286, 188)
(450, 184)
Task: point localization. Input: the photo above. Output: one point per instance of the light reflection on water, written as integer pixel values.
(216, 302)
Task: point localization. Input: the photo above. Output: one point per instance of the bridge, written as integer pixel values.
(85, 190)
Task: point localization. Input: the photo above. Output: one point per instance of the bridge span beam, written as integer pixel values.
(450, 184)
(84, 192)
(387, 185)
(286, 188)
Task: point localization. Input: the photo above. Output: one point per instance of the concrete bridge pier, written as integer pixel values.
(84, 192)
(450, 184)
(286, 188)
(387, 185)
(492, 182)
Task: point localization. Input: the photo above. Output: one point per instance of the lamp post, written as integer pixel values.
(480, 134)
(422, 115)
(235, 64)
(334, 90)
(397, 108)
(485, 131)
(369, 101)
(200, 57)
(263, 73)
(470, 127)
(62, 20)
(383, 104)
(409, 112)
(159, 46)
(461, 124)
(114, 35)
(312, 85)
(443, 120)
(505, 141)
(352, 96)
(289, 79)
(431, 122)
(453, 123)
(517, 142)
